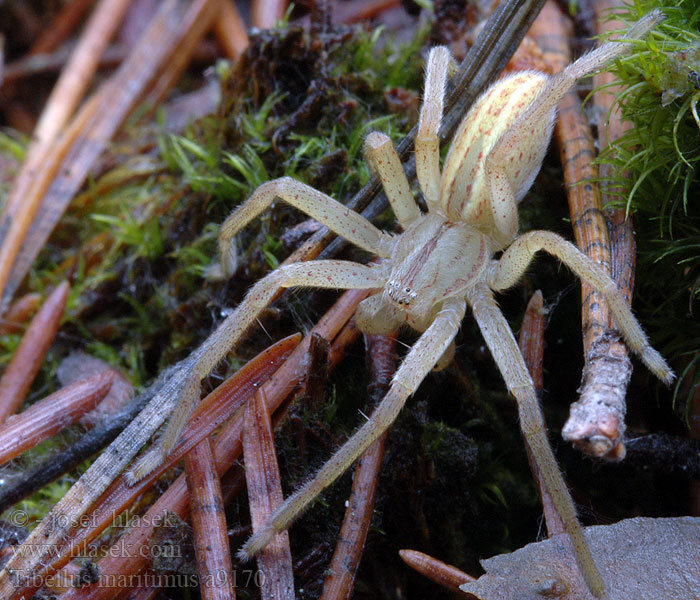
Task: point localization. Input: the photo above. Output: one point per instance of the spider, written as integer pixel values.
(424, 277)
(443, 260)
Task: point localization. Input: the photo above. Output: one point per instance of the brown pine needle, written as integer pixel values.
(48, 416)
(30, 187)
(264, 496)
(211, 545)
(441, 573)
(196, 22)
(128, 557)
(19, 313)
(61, 105)
(230, 31)
(531, 340)
(119, 496)
(381, 352)
(80, 69)
(109, 107)
(30, 353)
(145, 592)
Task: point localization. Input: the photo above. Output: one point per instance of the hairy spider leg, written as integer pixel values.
(515, 260)
(427, 144)
(321, 207)
(382, 158)
(334, 274)
(504, 349)
(417, 364)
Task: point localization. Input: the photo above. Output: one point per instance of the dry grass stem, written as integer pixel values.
(264, 496)
(30, 353)
(441, 573)
(209, 524)
(230, 30)
(48, 416)
(339, 584)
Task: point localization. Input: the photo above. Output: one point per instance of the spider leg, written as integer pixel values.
(504, 349)
(427, 140)
(327, 211)
(508, 270)
(417, 364)
(335, 274)
(382, 157)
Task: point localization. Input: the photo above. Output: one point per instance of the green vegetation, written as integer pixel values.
(660, 155)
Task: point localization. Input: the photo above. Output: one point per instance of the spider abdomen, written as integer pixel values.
(464, 187)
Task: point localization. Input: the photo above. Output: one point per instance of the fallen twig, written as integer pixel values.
(596, 422)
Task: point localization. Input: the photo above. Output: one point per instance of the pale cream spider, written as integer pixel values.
(425, 278)
(443, 261)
